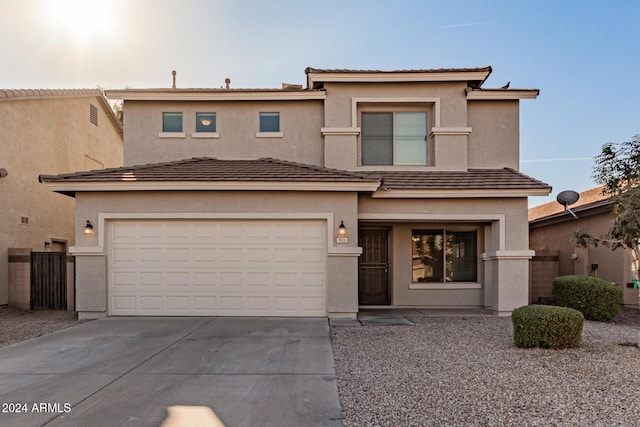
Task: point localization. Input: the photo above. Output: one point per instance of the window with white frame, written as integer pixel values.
(205, 122)
(440, 256)
(269, 122)
(171, 122)
(394, 138)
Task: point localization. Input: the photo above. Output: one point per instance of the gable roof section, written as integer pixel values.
(475, 77)
(206, 173)
(29, 94)
(448, 184)
(590, 200)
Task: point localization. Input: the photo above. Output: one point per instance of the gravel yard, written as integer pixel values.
(465, 371)
(18, 325)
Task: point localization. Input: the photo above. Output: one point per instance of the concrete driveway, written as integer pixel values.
(128, 371)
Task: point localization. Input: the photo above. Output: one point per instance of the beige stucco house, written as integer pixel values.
(50, 132)
(366, 188)
(551, 231)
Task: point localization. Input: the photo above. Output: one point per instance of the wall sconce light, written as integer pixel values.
(342, 230)
(47, 245)
(342, 233)
(574, 256)
(88, 229)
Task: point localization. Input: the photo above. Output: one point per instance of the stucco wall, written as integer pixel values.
(46, 136)
(495, 139)
(341, 267)
(237, 123)
(502, 236)
(453, 103)
(613, 266)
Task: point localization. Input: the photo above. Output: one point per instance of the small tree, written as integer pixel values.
(617, 169)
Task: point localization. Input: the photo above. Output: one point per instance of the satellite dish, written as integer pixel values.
(566, 198)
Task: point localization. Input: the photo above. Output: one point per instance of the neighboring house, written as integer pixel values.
(51, 132)
(367, 188)
(550, 234)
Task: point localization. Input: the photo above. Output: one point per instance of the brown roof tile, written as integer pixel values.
(473, 179)
(270, 170)
(211, 169)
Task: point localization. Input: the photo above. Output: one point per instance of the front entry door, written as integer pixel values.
(373, 271)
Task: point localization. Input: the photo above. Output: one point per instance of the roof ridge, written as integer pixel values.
(312, 167)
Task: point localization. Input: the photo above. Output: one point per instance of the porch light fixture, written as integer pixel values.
(342, 234)
(342, 230)
(88, 229)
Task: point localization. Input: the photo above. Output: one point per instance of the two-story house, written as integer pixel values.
(49, 131)
(366, 188)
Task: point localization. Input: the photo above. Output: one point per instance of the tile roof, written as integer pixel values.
(207, 169)
(588, 199)
(473, 179)
(23, 93)
(211, 169)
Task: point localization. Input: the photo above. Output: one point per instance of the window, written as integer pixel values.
(205, 122)
(444, 256)
(398, 138)
(269, 122)
(171, 122)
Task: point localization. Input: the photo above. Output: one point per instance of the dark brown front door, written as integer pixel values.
(373, 271)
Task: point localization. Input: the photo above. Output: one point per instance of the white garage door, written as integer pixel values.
(217, 267)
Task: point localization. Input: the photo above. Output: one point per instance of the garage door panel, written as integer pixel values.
(217, 267)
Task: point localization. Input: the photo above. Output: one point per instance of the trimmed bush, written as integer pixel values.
(547, 326)
(597, 299)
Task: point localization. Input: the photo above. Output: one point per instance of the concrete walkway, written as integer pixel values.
(130, 371)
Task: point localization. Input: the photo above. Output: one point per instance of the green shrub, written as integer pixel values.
(547, 326)
(597, 299)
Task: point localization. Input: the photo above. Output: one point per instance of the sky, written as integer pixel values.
(583, 55)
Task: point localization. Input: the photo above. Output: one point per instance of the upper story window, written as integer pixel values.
(394, 138)
(269, 122)
(269, 126)
(171, 122)
(205, 122)
(444, 256)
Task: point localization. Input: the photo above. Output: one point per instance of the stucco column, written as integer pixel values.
(342, 279)
(91, 286)
(510, 277)
(340, 147)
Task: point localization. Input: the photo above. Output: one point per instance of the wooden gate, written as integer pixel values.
(48, 281)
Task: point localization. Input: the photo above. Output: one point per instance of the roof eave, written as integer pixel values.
(591, 209)
(111, 186)
(502, 94)
(205, 95)
(452, 193)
